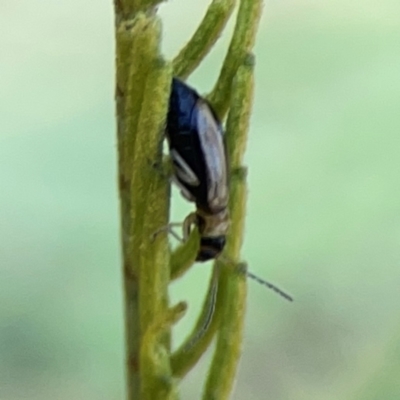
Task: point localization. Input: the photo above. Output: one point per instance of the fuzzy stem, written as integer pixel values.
(127, 9)
(241, 44)
(237, 125)
(204, 38)
(150, 4)
(198, 341)
(152, 192)
(233, 285)
(157, 379)
(143, 83)
(184, 255)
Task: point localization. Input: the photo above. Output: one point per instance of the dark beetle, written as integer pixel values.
(197, 149)
(196, 143)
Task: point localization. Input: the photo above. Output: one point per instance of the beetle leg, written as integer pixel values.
(168, 229)
(190, 220)
(183, 171)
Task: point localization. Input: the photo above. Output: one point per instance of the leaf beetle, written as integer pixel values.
(196, 143)
(200, 169)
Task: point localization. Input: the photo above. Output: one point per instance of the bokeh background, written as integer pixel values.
(323, 212)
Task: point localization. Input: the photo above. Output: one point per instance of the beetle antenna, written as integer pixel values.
(242, 267)
(269, 285)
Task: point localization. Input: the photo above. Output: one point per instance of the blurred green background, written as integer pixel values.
(323, 212)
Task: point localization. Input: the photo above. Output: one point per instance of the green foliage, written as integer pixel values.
(323, 205)
(143, 82)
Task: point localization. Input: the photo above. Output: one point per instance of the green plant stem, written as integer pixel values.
(184, 255)
(150, 4)
(204, 38)
(241, 44)
(222, 373)
(128, 45)
(152, 192)
(233, 285)
(143, 84)
(127, 9)
(158, 382)
(237, 125)
(198, 341)
(137, 45)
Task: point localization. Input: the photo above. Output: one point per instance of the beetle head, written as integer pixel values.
(210, 248)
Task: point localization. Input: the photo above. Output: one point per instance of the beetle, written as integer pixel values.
(200, 169)
(196, 143)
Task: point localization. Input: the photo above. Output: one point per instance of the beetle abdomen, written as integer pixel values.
(196, 146)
